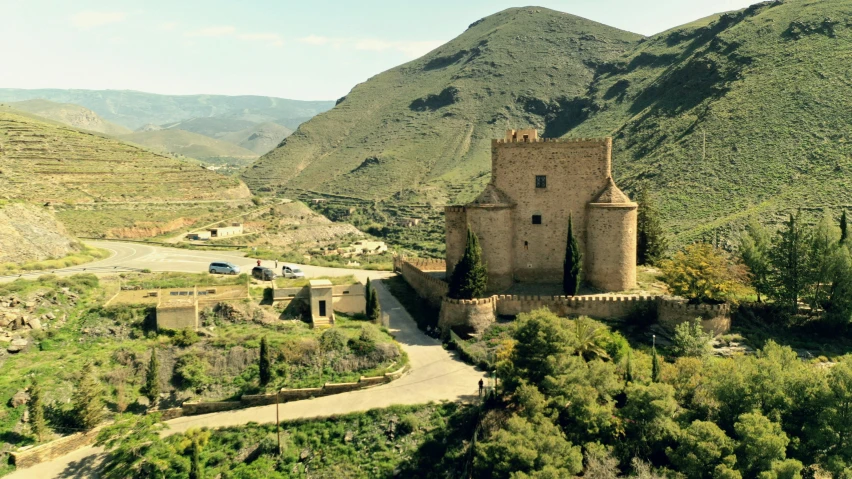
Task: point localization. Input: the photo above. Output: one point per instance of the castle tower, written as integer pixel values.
(611, 240)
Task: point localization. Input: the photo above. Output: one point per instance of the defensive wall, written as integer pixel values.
(427, 285)
(477, 314)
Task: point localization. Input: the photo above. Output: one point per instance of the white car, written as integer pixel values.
(290, 271)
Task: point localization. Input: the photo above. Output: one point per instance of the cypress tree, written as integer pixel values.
(195, 469)
(470, 277)
(789, 257)
(629, 376)
(87, 400)
(573, 263)
(375, 307)
(368, 293)
(36, 409)
(655, 365)
(263, 363)
(152, 382)
(844, 231)
(651, 243)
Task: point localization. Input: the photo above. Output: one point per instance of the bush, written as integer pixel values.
(333, 340)
(691, 340)
(703, 274)
(408, 424)
(191, 371)
(185, 337)
(365, 343)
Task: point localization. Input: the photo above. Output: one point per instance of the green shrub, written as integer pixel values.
(185, 337)
(333, 340)
(191, 371)
(408, 424)
(691, 340)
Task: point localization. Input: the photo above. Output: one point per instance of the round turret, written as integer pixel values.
(611, 240)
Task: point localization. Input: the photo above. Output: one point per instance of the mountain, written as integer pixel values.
(260, 138)
(43, 162)
(427, 125)
(193, 145)
(213, 127)
(738, 114)
(71, 115)
(134, 109)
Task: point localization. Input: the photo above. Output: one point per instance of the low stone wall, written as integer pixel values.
(474, 314)
(593, 306)
(715, 318)
(193, 408)
(426, 285)
(32, 455)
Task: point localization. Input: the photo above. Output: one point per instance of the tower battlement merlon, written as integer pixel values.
(603, 141)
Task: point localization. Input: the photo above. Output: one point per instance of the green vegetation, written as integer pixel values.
(470, 277)
(72, 115)
(301, 282)
(651, 242)
(703, 274)
(573, 263)
(192, 145)
(85, 255)
(151, 389)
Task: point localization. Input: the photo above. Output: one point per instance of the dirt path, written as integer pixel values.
(435, 376)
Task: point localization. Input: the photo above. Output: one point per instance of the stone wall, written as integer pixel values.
(32, 455)
(715, 318)
(426, 285)
(597, 306)
(178, 314)
(610, 262)
(473, 314)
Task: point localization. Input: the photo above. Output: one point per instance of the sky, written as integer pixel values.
(304, 50)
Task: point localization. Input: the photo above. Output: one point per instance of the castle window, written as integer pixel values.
(536, 219)
(540, 181)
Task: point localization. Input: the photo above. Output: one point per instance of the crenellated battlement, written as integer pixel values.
(454, 209)
(573, 141)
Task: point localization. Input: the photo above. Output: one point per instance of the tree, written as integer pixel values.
(702, 273)
(838, 305)
(573, 266)
(470, 277)
(754, 251)
(151, 390)
(368, 295)
(134, 447)
(88, 399)
(690, 340)
(702, 447)
(628, 377)
(648, 415)
(36, 409)
(263, 363)
(540, 338)
(789, 257)
(844, 229)
(375, 308)
(762, 442)
(822, 243)
(655, 366)
(651, 243)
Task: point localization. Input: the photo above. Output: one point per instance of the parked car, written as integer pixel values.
(262, 273)
(290, 271)
(223, 267)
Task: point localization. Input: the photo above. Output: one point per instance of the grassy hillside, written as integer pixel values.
(133, 109)
(261, 138)
(72, 115)
(427, 125)
(194, 145)
(42, 162)
(212, 126)
(767, 86)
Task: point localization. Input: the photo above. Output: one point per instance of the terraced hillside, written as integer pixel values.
(42, 162)
(426, 126)
(738, 114)
(193, 145)
(72, 115)
(261, 138)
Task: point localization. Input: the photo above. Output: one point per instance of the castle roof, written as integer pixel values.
(611, 195)
(492, 196)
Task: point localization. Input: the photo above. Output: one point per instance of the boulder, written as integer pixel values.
(34, 324)
(19, 399)
(17, 345)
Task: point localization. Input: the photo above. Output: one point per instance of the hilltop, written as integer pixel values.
(193, 145)
(427, 125)
(261, 138)
(134, 109)
(43, 162)
(767, 85)
(71, 115)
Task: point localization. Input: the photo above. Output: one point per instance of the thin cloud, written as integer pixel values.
(168, 26)
(272, 39)
(412, 49)
(86, 20)
(220, 31)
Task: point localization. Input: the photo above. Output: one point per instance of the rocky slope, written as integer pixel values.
(72, 115)
(32, 233)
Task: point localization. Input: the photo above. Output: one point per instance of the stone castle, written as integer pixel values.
(521, 218)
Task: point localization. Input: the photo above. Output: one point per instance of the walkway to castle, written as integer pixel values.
(435, 376)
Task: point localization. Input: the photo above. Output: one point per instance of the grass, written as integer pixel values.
(181, 280)
(300, 282)
(85, 255)
(193, 145)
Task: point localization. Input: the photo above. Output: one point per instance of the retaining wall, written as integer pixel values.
(672, 311)
(32, 455)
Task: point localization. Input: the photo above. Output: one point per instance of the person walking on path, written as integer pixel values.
(258, 263)
(276, 265)
(481, 386)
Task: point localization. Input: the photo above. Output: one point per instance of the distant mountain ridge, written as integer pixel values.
(69, 114)
(737, 114)
(133, 109)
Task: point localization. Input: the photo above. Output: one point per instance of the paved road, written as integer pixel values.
(158, 258)
(435, 373)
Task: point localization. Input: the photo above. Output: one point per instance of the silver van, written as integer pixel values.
(223, 267)
(292, 271)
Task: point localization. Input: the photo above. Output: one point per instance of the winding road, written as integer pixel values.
(435, 373)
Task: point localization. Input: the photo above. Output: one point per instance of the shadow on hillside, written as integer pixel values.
(88, 467)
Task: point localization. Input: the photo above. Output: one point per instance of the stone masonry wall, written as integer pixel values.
(426, 285)
(30, 456)
(473, 314)
(715, 318)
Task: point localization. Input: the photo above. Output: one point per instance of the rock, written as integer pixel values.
(19, 399)
(143, 401)
(30, 305)
(17, 345)
(26, 416)
(348, 436)
(306, 453)
(50, 316)
(34, 324)
(5, 338)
